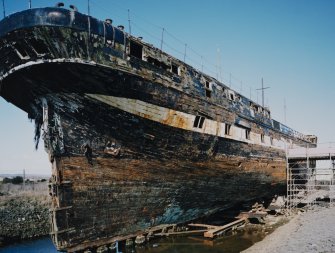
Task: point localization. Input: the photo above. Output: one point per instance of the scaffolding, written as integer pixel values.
(309, 180)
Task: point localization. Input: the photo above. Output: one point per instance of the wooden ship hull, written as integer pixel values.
(136, 137)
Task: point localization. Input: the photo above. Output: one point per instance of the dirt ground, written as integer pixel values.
(311, 231)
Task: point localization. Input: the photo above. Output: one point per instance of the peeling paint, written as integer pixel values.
(152, 128)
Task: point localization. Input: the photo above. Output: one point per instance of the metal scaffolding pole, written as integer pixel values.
(307, 183)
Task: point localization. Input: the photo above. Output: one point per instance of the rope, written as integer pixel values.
(193, 57)
(210, 68)
(4, 9)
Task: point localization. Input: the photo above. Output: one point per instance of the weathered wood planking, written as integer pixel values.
(136, 137)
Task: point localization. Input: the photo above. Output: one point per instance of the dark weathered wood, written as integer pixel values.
(161, 169)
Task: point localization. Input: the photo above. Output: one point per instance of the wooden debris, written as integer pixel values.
(221, 229)
(188, 232)
(202, 226)
(140, 239)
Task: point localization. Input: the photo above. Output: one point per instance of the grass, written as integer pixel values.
(34, 191)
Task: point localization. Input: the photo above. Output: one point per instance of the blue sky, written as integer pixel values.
(290, 43)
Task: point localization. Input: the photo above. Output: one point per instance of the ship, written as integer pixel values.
(136, 138)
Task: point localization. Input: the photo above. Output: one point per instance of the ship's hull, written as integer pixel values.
(161, 175)
(125, 138)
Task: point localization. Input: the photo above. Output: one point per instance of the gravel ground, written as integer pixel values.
(313, 231)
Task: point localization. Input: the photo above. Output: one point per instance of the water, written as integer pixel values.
(236, 242)
(43, 245)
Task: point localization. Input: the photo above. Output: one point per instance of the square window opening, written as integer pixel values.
(227, 129)
(199, 121)
(247, 134)
(208, 93)
(196, 121)
(136, 50)
(174, 69)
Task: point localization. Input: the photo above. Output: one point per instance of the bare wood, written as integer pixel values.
(212, 233)
(191, 232)
(203, 225)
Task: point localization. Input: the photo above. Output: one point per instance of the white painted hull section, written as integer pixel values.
(185, 121)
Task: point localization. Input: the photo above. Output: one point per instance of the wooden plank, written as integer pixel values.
(61, 231)
(249, 215)
(213, 232)
(104, 241)
(59, 208)
(191, 232)
(202, 226)
(160, 227)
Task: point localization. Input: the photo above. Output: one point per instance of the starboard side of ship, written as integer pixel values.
(136, 137)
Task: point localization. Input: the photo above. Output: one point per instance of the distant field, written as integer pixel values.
(24, 211)
(38, 190)
(28, 176)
